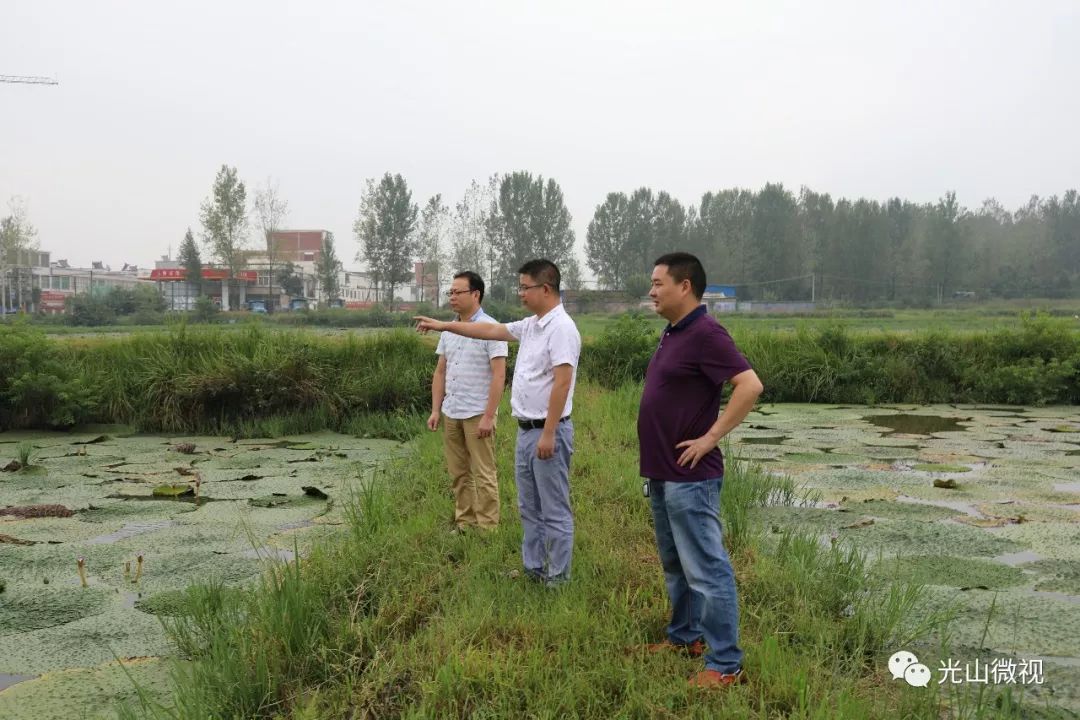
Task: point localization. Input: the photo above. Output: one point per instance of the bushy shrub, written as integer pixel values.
(89, 311)
(1028, 381)
(143, 298)
(205, 310)
(39, 384)
(621, 354)
(505, 310)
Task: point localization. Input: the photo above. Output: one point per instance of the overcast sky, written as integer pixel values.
(853, 98)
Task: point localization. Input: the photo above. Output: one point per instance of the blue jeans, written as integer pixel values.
(543, 489)
(700, 581)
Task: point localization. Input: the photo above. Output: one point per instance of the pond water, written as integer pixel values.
(7, 681)
(1007, 520)
(95, 501)
(916, 424)
(1009, 524)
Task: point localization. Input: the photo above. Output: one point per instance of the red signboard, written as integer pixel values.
(168, 274)
(176, 274)
(52, 300)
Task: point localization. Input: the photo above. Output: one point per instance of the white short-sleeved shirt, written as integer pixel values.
(545, 342)
(468, 370)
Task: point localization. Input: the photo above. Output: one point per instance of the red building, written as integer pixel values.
(297, 245)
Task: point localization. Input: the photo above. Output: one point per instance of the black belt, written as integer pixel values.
(536, 424)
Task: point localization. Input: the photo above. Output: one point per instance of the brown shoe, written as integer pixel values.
(694, 649)
(717, 679)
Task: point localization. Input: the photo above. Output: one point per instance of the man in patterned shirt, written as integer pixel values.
(466, 389)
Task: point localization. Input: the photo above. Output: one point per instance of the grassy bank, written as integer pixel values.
(398, 618)
(401, 619)
(201, 380)
(1037, 363)
(212, 381)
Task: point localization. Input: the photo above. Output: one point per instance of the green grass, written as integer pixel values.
(399, 618)
(210, 380)
(25, 452)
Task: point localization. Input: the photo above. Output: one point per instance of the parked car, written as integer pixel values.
(257, 306)
(298, 304)
(335, 303)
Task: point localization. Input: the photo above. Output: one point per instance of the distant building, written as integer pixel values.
(57, 281)
(297, 246)
(261, 276)
(720, 298)
(17, 279)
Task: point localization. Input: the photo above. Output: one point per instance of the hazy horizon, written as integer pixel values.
(852, 99)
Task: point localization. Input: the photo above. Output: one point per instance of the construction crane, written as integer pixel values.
(28, 80)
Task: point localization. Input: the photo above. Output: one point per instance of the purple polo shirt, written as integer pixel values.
(681, 400)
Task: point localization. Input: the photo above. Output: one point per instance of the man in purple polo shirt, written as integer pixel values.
(679, 426)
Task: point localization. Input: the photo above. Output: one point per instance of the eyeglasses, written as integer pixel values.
(455, 293)
(525, 288)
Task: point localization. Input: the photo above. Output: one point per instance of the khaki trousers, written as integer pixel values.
(470, 459)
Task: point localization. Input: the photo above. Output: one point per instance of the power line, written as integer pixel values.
(771, 282)
(883, 283)
(28, 80)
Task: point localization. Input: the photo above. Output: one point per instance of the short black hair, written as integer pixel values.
(684, 266)
(475, 281)
(543, 271)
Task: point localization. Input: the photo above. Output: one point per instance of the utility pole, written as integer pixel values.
(21, 80)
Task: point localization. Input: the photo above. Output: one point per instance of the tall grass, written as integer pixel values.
(1037, 363)
(210, 380)
(25, 452)
(399, 618)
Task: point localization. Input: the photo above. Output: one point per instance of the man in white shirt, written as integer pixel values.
(466, 389)
(541, 399)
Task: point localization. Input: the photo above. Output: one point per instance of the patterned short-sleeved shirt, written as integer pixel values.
(468, 370)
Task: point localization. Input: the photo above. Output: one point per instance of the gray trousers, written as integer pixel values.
(544, 503)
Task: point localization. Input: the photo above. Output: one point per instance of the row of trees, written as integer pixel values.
(770, 243)
(774, 244)
(226, 219)
(493, 229)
